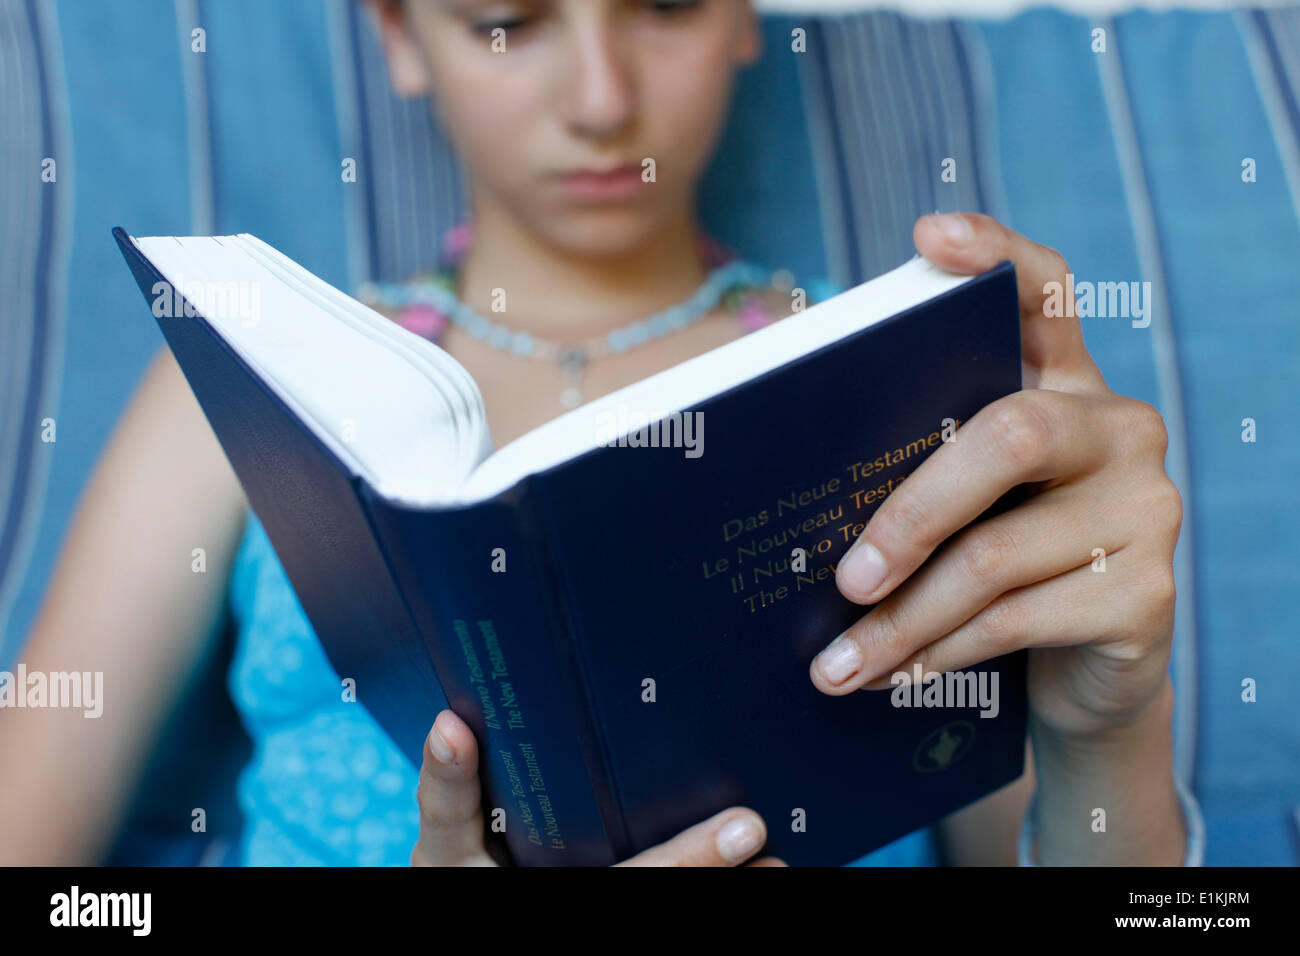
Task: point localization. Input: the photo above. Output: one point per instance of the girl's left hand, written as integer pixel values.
(1100, 640)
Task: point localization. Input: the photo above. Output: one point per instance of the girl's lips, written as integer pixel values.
(592, 186)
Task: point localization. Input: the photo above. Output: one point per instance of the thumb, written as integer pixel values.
(451, 817)
(1051, 338)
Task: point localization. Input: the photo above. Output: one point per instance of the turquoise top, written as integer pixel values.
(325, 785)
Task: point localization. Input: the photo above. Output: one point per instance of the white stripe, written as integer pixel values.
(829, 198)
(1170, 390)
(343, 73)
(953, 131)
(408, 207)
(849, 68)
(21, 152)
(18, 151)
(197, 131)
(56, 316)
(986, 102)
(1270, 94)
(898, 113)
(958, 121)
(892, 114)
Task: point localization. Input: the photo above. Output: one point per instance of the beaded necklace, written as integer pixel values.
(427, 304)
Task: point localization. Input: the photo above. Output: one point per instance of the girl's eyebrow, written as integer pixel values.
(472, 6)
(479, 6)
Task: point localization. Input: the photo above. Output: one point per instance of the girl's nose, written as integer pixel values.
(596, 80)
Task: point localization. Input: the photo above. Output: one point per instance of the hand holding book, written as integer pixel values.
(453, 831)
(1080, 572)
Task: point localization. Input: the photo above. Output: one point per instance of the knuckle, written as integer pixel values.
(908, 521)
(883, 632)
(436, 816)
(1162, 591)
(1057, 263)
(1168, 505)
(425, 799)
(987, 552)
(1148, 427)
(1150, 606)
(989, 230)
(1000, 625)
(1160, 507)
(434, 811)
(1019, 432)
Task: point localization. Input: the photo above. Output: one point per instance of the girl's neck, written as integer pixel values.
(560, 296)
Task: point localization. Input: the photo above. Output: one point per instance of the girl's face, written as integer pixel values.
(577, 105)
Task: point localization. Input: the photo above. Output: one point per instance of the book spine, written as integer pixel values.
(479, 590)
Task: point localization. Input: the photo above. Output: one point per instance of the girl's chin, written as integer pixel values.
(602, 232)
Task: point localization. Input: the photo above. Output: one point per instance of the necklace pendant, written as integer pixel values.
(573, 362)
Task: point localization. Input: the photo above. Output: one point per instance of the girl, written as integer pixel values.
(555, 107)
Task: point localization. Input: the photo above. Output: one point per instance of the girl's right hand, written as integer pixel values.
(452, 826)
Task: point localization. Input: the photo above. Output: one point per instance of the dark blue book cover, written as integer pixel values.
(642, 660)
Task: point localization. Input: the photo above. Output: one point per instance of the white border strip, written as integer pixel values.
(1170, 388)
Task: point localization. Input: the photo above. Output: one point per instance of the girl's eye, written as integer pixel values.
(508, 24)
(670, 7)
(511, 23)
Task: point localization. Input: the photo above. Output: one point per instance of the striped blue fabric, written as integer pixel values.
(1131, 163)
(889, 101)
(414, 185)
(36, 196)
(111, 82)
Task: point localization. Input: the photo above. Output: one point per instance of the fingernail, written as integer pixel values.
(956, 227)
(739, 840)
(864, 567)
(840, 660)
(441, 749)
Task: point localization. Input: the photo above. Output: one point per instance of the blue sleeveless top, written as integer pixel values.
(325, 785)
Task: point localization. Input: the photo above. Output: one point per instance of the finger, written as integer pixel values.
(728, 838)
(768, 861)
(1116, 612)
(971, 243)
(1026, 437)
(1049, 535)
(451, 816)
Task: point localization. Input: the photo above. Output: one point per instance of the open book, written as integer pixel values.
(622, 603)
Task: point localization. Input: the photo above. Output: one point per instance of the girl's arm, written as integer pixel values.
(123, 601)
(985, 833)
(1130, 771)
